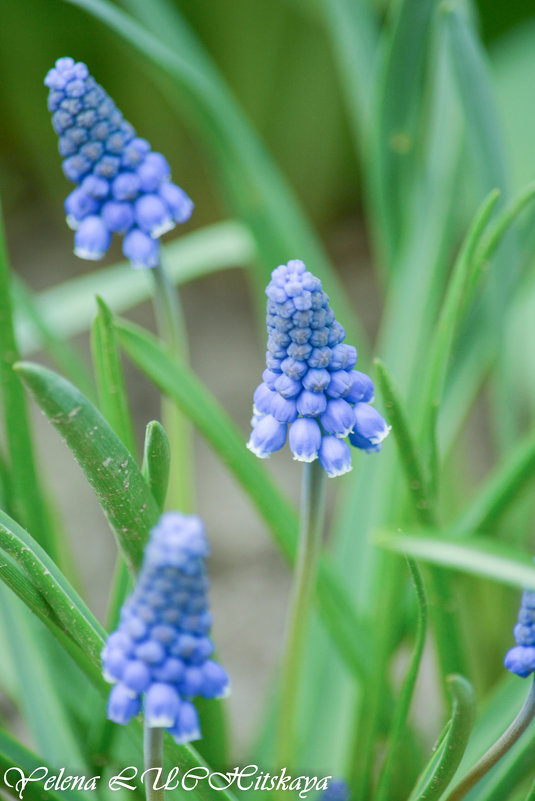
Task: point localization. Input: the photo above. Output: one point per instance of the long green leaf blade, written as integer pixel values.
(113, 401)
(478, 556)
(447, 758)
(109, 467)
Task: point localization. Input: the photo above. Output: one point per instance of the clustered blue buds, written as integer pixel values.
(162, 647)
(310, 383)
(122, 186)
(336, 791)
(521, 658)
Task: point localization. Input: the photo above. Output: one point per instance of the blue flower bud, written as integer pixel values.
(336, 791)
(287, 387)
(100, 147)
(187, 727)
(283, 410)
(262, 399)
(370, 428)
(338, 418)
(311, 404)
(141, 249)
(176, 200)
(118, 216)
(123, 705)
(152, 171)
(162, 705)
(305, 439)
(92, 238)
(335, 456)
(361, 388)
(267, 437)
(152, 215)
(316, 379)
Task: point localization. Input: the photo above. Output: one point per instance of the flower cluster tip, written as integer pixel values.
(122, 186)
(310, 385)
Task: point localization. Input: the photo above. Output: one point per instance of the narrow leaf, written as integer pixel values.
(477, 556)
(113, 401)
(452, 311)
(110, 469)
(156, 459)
(444, 763)
(500, 489)
(405, 697)
(407, 450)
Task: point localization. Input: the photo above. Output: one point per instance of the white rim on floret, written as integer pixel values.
(159, 721)
(90, 255)
(340, 472)
(306, 458)
(257, 452)
(163, 228)
(381, 436)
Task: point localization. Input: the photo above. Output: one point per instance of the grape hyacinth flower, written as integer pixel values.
(336, 791)
(122, 186)
(310, 385)
(521, 658)
(161, 649)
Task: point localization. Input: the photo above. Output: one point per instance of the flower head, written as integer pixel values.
(162, 648)
(310, 385)
(121, 185)
(521, 658)
(336, 791)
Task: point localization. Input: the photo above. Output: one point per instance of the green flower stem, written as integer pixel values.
(498, 750)
(171, 329)
(153, 754)
(310, 535)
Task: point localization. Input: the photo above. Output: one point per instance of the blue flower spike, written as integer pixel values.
(122, 187)
(336, 791)
(162, 648)
(311, 393)
(521, 658)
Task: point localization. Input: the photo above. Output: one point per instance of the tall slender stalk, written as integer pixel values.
(310, 535)
(498, 749)
(171, 328)
(153, 758)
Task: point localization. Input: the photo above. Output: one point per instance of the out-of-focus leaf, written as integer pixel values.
(28, 317)
(68, 308)
(451, 746)
(25, 488)
(477, 556)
